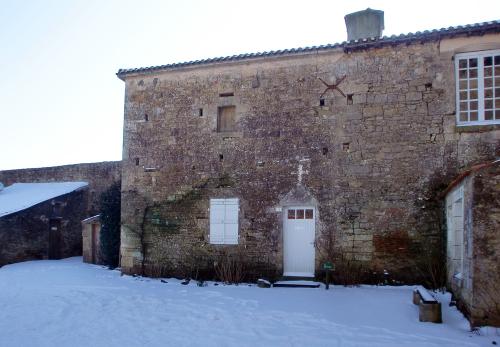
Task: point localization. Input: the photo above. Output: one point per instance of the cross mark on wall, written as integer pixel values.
(334, 86)
(300, 172)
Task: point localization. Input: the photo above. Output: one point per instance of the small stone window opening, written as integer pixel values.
(345, 146)
(428, 86)
(325, 150)
(349, 99)
(200, 112)
(322, 102)
(221, 157)
(146, 117)
(136, 161)
(226, 119)
(225, 95)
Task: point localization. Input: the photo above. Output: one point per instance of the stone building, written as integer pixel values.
(41, 220)
(290, 158)
(99, 176)
(473, 242)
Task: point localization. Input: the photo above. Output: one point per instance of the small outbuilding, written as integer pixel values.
(473, 242)
(91, 237)
(41, 220)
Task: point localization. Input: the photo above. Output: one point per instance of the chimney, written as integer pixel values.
(364, 24)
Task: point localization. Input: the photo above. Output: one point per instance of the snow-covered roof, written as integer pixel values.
(20, 196)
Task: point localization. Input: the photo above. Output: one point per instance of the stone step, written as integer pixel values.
(297, 284)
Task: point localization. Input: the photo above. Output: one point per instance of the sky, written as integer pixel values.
(60, 99)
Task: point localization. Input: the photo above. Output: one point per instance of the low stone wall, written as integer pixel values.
(98, 175)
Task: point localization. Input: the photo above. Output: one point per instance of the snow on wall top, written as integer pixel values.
(20, 196)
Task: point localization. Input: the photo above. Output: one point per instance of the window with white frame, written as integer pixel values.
(224, 221)
(478, 87)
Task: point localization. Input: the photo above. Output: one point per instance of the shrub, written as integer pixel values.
(229, 268)
(110, 204)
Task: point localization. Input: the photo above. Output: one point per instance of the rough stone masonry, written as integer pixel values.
(372, 161)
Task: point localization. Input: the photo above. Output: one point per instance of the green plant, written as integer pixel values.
(110, 202)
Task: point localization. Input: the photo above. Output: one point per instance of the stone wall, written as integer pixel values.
(374, 161)
(99, 176)
(485, 309)
(24, 235)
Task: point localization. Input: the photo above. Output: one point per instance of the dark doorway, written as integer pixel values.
(55, 239)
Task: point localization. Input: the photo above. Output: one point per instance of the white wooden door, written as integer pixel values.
(298, 241)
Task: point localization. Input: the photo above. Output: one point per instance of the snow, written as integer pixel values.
(69, 303)
(424, 294)
(20, 196)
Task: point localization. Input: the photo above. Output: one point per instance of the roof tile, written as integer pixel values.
(478, 28)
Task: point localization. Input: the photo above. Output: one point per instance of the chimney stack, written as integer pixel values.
(364, 24)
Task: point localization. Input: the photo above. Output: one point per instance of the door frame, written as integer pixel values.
(284, 221)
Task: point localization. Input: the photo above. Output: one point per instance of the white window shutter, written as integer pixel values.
(217, 221)
(231, 222)
(224, 221)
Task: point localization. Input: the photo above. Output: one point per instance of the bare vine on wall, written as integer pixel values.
(348, 270)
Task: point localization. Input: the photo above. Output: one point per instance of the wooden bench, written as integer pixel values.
(429, 308)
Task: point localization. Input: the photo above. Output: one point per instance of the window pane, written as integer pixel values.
(497, 81)
(488, 115)
(291, 214)
(462, 74)
(488, 93)
(497, 70)
(488, 83)
(463, 96)
(497, 91)
(497, 103)
(473, 116)
(309, 214)
(463, 117)
(462, 63)
(463, 85)
(488, 103)
(473, 105)
(497, 60)
(473, 73)
(488, 72)
(300, 214)
(473, 83)
(488, 61)
(464, 106)
(473, 62)
(497, 114)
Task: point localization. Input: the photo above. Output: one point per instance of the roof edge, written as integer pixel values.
(476, 29)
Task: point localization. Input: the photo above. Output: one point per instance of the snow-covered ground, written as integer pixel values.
(68, 303)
